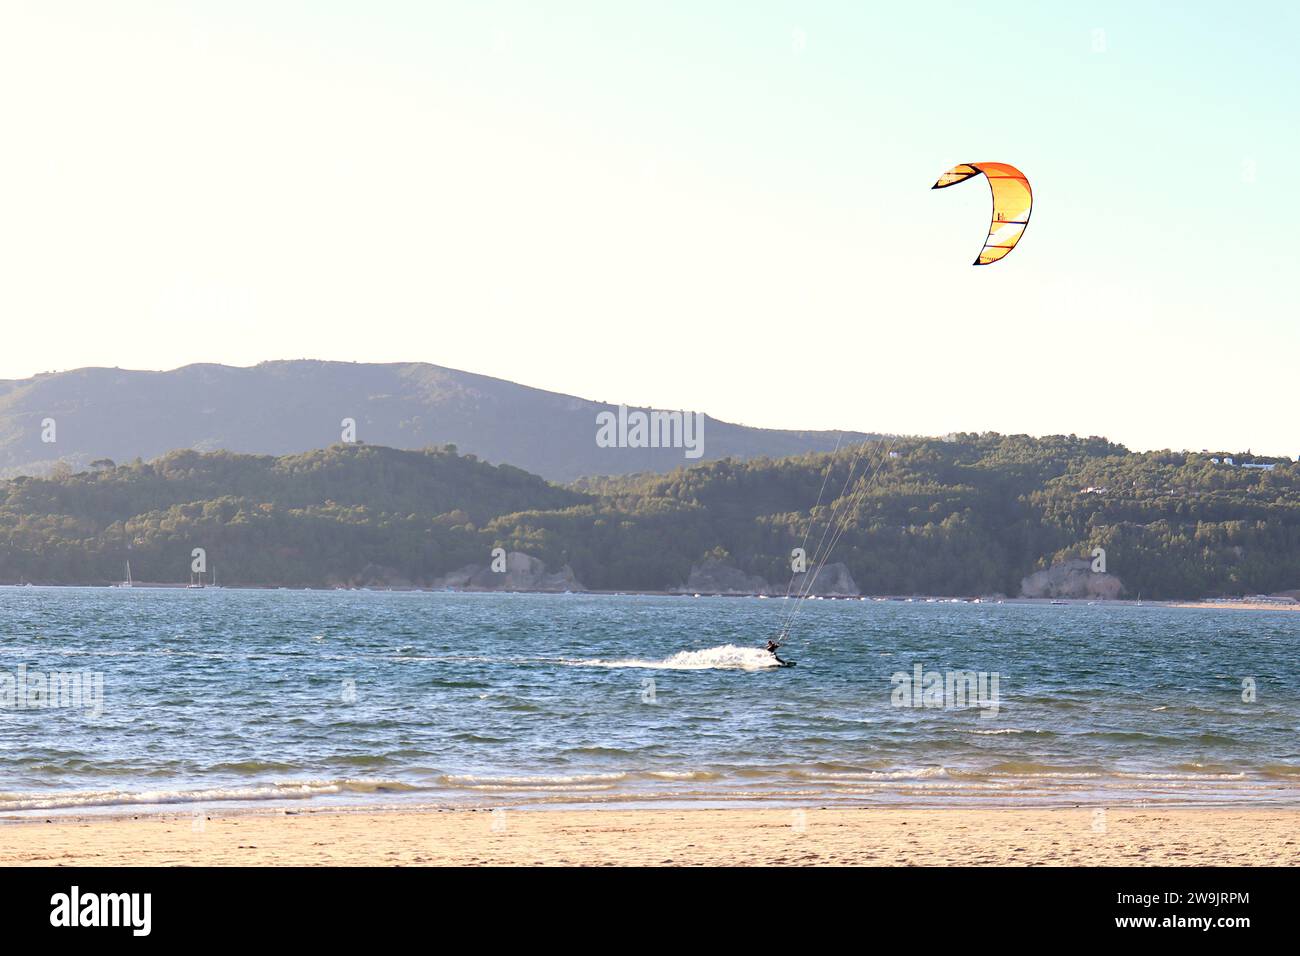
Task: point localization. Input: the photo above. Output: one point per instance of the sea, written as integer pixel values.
(135, 700)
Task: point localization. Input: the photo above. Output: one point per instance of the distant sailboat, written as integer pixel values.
(128, 583)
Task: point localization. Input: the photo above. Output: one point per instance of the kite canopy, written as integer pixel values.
(1012, 200)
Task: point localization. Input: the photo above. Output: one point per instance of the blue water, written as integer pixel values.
(534, 700)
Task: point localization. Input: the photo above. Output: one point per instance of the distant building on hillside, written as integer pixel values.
(1260, 465)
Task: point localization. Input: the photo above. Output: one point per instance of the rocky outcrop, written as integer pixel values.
(834, 580)
(523, 572)
(714, 576)
(379, 576)
(717, 577)
(1072, 579)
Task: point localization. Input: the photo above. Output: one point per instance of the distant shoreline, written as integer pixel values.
(1234, 604)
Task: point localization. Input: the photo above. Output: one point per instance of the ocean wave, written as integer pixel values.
(868, 775)
(572, 783)
(1032, 769)
(1281, 771)
(526, 782)
(1173, 777)
(682, 774)
(288, 790)
(541, 788)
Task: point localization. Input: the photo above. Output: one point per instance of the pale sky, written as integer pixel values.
(714, 206)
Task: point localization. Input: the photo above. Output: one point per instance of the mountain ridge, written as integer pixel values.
(288, 406)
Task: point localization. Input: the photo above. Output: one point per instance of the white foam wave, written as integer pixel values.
(290, 790)
(681, 774)
(867, 775)
(539, 788)
(722, 657)
(552, 780)
(1173, 776)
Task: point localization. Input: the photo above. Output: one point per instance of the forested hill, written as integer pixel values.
(313, 518)
(972, 515)
(278, 408)
(969, 515)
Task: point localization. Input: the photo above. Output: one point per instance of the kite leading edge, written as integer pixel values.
(1012, 201)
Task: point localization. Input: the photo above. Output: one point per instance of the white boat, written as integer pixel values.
(128, 583)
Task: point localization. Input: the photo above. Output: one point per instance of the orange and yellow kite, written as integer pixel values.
(1012, 200)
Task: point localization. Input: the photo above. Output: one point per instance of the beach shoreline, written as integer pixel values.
(652, 837)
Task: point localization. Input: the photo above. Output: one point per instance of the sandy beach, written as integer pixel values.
(730, 837)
